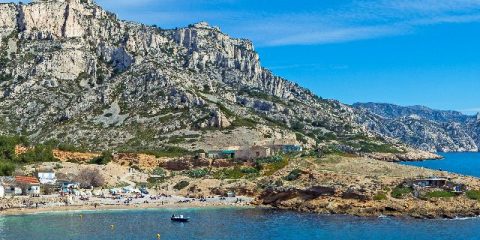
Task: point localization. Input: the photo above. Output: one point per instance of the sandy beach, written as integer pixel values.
(100, 204)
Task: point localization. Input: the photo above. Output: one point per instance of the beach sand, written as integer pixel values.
(101, 204)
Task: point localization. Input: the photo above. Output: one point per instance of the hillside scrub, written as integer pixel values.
(440, 194)
(7, 168)
(401, 192)
(104, 159)
(473, 194)
(181, 185)
(40, 153)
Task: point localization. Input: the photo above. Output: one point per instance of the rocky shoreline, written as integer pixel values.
(463, 208)
(409, 156)
(330, 184)
(434, 209)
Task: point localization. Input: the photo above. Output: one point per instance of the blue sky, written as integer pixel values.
(405, 52)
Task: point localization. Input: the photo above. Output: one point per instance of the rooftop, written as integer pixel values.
(25, 179)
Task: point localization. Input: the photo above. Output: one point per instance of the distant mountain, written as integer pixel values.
(422, 127)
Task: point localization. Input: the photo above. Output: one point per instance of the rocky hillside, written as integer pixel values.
(73, 72)
(423, 128)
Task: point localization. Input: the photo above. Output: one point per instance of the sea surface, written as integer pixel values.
(228, 223)
(462, 163)
(241, 223)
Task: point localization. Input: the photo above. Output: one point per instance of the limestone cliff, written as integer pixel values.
(71, 71)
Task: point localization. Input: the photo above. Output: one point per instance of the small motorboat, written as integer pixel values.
(179, 218)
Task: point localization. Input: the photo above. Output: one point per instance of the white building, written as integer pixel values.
(2, 191)
(47, 177)
(31, 183)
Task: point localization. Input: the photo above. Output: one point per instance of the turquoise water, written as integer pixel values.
(462, 163)
(232, 223)
(228, 224)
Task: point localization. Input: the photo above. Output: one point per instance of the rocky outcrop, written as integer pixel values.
(412, 155)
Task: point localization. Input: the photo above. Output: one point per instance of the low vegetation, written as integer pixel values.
(473, 194)
(198, 173)
(401, 192)
(380, 196)
(293, 175)
(7, 169)
(439, 194)
(271, 165)
(159, 172)
(371, 147)
(103, 159)
(181, 185)
(229, 173)
(167, 151)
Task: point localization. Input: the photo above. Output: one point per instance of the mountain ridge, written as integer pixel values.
(84, 71)
(423, 127)
(74, 73)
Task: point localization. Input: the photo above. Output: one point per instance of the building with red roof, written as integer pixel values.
(31, 183)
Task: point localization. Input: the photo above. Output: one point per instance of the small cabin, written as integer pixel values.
(433, 182)
(222, 154)
(30, 184)
(254, 152)
(47, 177)
(291, 148)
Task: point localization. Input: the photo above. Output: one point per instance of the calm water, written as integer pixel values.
(231, 223)
(228, 224)
(462, 163)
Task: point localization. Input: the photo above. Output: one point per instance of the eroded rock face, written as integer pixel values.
(276, 196)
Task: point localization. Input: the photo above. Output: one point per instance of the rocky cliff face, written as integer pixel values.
(421, 127)
(72, 72)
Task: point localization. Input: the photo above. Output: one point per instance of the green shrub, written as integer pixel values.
(298, 126)
(7, 169)
(197, 173)
(371, 147)
(268, 160)
(228, 113)
(7, 146)
(473, 194)
(244, 122)
(272, 168)
(401, 192)
(169, 151)
(293, 175)
(159, 172)
(104, 159)
(380, 196)
(181, 185)
(440, 194)
(249, 170)
(231, 173)
(40, 153)
(156, 180)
